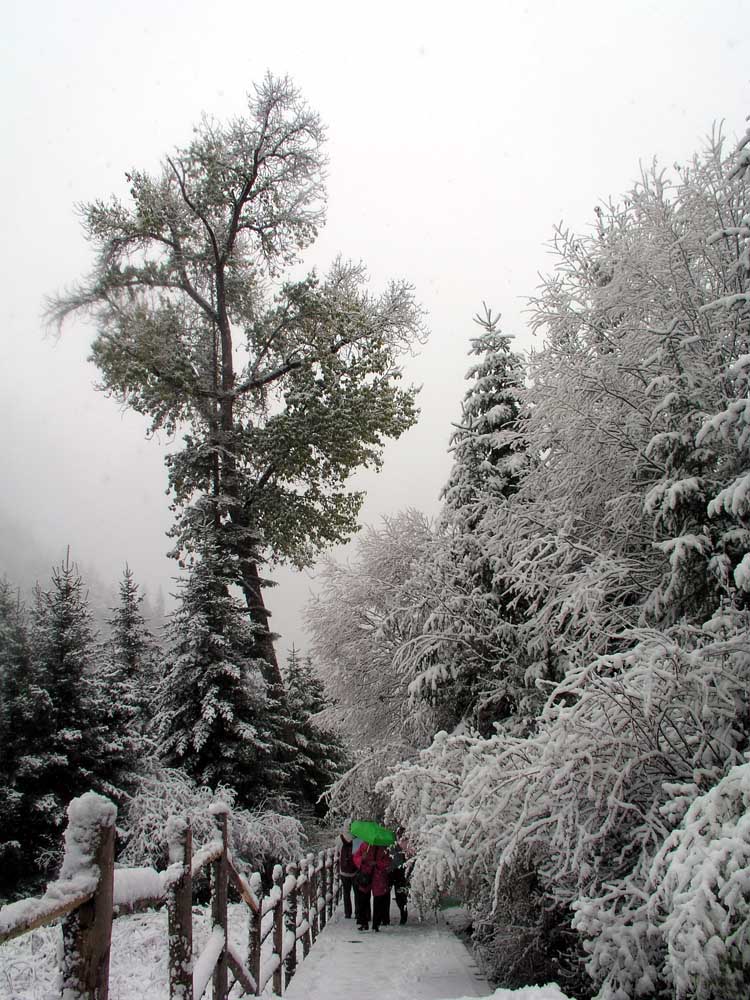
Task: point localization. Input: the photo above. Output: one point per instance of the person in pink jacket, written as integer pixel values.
(374, 864)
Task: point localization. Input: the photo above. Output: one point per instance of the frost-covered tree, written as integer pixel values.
(488, 447)
(356, 632)
(320, 757)
(16, 715)
(180, 291)
(217, 719)
(259, 835)
(609, 529)
(69, 748)
(128, 670)
(725, 432)
(304, 689)
(464, 652)
(616, 820)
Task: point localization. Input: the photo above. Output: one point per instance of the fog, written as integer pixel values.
(459, 135)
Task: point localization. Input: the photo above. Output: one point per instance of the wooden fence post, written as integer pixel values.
(290, 920)
(320, 902)
(219, 900)
(339, 884)
(331, 881)
(87, 931)
(255, 921)
(323, 887)
(304, 870)
(180, 910)
(278, 930)
(312, 876)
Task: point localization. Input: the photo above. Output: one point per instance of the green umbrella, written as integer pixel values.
(372, 833)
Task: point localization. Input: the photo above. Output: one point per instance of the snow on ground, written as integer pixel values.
(420, 961)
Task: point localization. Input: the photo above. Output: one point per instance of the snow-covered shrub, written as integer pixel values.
(356, 792)
(622, 748)
(700, 893)
(256, 836)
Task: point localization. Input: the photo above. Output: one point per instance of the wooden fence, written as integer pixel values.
(90, 892)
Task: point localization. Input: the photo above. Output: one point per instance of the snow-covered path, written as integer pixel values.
(420, 961)
(416, 962)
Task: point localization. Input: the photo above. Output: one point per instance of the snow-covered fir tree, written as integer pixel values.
(125, 687)
(64, 746)
(464, 654)
(488, 446)
(16, 716)
(130, 654)
(320, 756)
(217, 719)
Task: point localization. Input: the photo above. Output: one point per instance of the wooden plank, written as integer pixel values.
(205, 965)
(242, 888)
(240, 973)
(45, 913)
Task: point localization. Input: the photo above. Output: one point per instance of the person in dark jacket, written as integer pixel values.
(399, 876)
(373, 864)
(347, 871)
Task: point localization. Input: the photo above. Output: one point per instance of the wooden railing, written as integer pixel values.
(90, 892)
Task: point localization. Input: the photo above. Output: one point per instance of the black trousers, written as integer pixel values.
(381, 910)
(401, 891)
(362, 907)
(346, 892)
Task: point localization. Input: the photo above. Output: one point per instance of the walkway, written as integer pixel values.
(415, 962)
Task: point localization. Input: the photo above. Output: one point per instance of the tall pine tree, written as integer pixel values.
(63, 748)
(124, 690)
(320, 754)
(218, 720)
(131, 654)
(466, 659)
(488, 446)
(16, 712)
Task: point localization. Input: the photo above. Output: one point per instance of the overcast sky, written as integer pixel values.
(459, 135)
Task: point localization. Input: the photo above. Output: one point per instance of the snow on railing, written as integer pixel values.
(90, 891)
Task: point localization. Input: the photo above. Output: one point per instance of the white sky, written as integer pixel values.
(459, 135)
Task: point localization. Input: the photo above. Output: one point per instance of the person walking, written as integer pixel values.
(362, 886)
(399, 876)
(347, 871)
(373, 864)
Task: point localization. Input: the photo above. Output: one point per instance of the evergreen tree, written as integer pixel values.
(65, 750)
(467, 659)
(14, 734)
(488, 445)
(320, 756)
(131, 655)
(124, 690)
(305, 691)
(217, 719)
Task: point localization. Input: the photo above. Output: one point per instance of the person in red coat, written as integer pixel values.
(374, 864)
